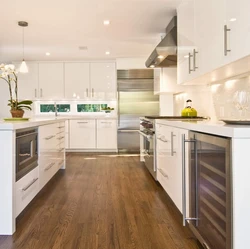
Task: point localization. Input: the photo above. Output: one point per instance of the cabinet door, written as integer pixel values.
(186, 40)
(82, 134)
(51, 83)
(209, 34)
(238, 21)
(103, 80)
(28, 82)
(77, 80)
(106, 134)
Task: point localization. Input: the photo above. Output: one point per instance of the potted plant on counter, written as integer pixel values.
(9, 75)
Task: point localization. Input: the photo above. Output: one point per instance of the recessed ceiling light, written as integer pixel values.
(48, 54)
(160, 57)
(83, 48)
(233, 19)
(107, 52)
(152, 66)
(106, 22)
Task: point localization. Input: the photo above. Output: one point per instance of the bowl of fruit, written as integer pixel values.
(107, 109)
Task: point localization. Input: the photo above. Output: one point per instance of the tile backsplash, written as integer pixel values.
(219, 100)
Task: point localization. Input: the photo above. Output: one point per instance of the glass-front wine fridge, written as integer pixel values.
(208, 179)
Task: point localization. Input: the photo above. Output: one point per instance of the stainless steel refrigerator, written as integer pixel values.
(135, 99)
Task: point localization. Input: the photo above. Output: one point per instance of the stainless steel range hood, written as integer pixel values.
(165, 53)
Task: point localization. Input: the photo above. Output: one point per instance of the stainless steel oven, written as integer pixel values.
(209, 174)
(147, 149)
(26, 151)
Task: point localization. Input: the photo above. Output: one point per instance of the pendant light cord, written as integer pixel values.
(23, 43)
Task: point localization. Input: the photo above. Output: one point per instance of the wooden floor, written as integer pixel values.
(104, 202)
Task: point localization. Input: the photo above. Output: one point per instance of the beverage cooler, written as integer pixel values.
(209, 181)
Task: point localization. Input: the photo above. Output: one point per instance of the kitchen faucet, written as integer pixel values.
(56, 114)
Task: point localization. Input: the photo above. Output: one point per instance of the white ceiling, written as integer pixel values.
(61, 26)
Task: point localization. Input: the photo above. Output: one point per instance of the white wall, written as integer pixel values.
(131, 63)
(166, 104)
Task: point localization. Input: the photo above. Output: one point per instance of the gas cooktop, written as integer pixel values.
(174, 117)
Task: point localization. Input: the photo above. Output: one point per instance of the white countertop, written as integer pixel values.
(38, 121)
(212, 127)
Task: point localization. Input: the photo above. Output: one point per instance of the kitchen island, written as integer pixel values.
(220, 162)
(52, 141)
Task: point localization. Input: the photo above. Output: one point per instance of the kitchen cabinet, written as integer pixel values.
(77, 80)
(106, 134)
(51, 80)
(211, 35)
(26, 189)
(28, 82)
(51, 151)
(237, 19)
(169, 161)
(103, 80)
(186, 41)
(82, 134)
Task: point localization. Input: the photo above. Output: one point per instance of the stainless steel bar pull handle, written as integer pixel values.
(172, 144)
(41, 92)
(226, 50)
(29, 185)
(92, 92)
(35, 93)
(184, 197)
(189, 63)
(194, 59)
(163, 173)
(25, 154)
(82, 122)
(87, 91)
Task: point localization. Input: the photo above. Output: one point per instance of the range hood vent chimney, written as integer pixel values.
(165, 53)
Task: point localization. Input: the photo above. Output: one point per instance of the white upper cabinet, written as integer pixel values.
(186, 40)
(51, 80)
(218, 32)
(28, 82)
(238, 22)
(209, 28)
(77, 80)
(103, 80)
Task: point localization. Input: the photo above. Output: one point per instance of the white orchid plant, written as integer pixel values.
(9, 74)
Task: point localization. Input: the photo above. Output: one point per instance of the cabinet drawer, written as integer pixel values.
(47, 170)
(164, 179)
(26, 189)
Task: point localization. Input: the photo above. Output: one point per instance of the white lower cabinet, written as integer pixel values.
(26, 189)
(169, 161)
(106, 134)
(51, 150)
(82, 134)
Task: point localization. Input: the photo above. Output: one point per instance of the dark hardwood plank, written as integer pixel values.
(101, 202)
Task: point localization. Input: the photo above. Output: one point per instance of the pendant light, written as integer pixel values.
(23, 68)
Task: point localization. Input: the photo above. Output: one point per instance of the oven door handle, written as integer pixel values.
(184, 194)
(145, 135)
(26, 135)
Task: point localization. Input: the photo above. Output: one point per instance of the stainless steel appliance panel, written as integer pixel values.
(135, 99)
(128, 141)
(26, 151)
